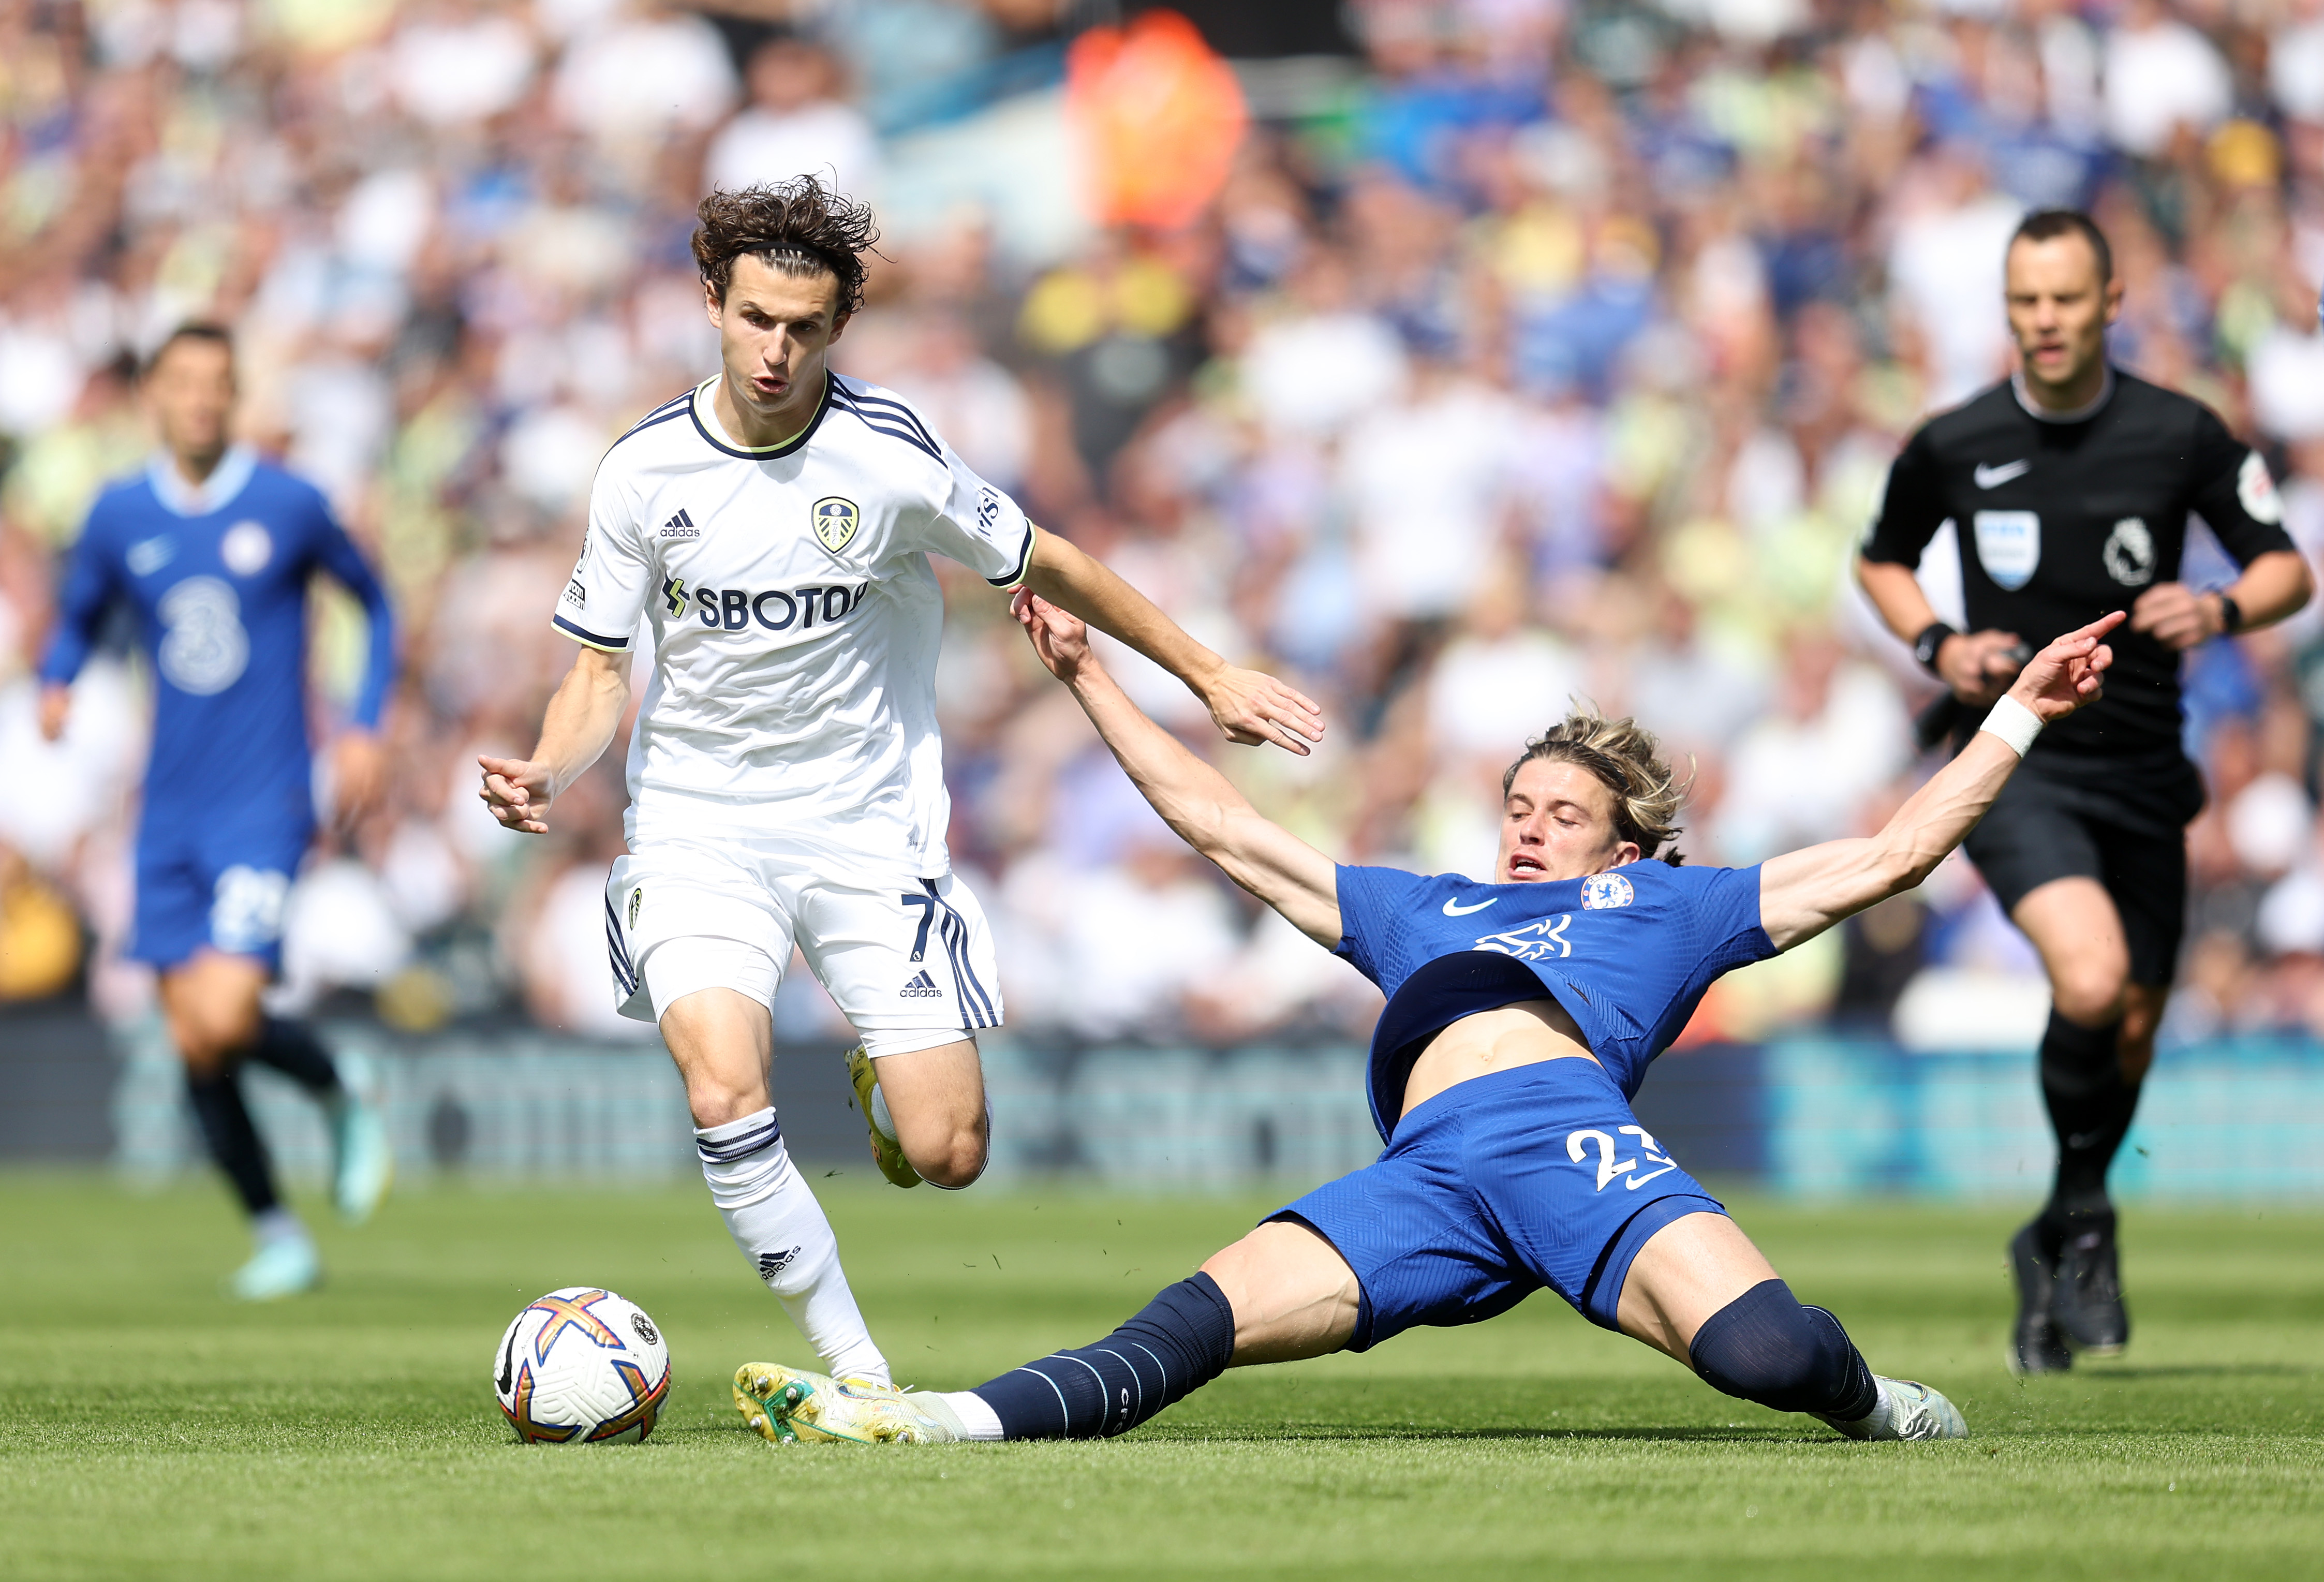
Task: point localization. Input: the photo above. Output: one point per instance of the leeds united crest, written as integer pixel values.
(836, 521)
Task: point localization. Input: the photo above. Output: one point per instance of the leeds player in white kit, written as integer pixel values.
(769, 531)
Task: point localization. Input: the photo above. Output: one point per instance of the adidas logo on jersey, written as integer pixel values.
(680, 526)
(921, 987)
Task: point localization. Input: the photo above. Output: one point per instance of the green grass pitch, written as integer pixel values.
(153, 1429)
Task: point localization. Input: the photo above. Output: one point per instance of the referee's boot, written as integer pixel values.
(886, 1151)
(2086, 1303)
(2035, 1345)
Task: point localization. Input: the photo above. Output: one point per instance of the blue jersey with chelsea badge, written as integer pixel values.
(217, 574)
(1628, 953)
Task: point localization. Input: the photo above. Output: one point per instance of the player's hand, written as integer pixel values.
(1059, 637)
(2069, 673)
(2175, 613)
(1979, 666)
(358, 772)
(56, 708)
(517, 790)
(1252, 707)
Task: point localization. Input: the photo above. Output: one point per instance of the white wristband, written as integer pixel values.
(2014, 722)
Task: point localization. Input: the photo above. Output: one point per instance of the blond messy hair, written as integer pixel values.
(1626, 759)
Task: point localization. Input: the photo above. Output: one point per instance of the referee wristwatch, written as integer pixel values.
(2231, 614)
(1931, 638)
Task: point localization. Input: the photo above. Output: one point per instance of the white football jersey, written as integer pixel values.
(793, 616)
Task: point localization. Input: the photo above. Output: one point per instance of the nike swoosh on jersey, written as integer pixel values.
(1454, 909)
(1992, 478)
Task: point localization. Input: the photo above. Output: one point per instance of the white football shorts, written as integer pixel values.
(909, 960)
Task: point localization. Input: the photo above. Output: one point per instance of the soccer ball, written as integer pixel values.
(580, 1367)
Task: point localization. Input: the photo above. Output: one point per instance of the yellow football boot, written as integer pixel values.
(886, 1151)
(790, 1407)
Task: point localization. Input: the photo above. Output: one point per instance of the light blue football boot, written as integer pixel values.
(363, 1165)
(283, 1266)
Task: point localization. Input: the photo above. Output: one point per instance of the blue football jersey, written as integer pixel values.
(1629, 953)
(217, 577)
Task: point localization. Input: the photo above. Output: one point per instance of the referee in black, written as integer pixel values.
(2068, 486)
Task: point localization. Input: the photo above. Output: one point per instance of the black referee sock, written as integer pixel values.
(2091, 1109)
(292, 1049)
(1181, 1340)
(232, 1141)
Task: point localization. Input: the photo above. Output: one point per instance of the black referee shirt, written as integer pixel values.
(2062, 520)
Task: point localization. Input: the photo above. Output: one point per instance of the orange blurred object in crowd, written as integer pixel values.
(1162, 113)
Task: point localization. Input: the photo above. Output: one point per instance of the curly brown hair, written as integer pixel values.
(798, 227)
(1627, 759)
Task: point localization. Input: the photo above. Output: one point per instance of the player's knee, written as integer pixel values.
(210, 1036)
(2090, 991)
(1765, 1346)
(953, 1159)
(715, 1099)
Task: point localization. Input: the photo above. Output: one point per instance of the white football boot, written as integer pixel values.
(1905, 1410)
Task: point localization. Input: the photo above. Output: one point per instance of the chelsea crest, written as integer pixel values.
(836, 521)
(1601, 891)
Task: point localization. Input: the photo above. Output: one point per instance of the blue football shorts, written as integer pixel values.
(225, 888)
(1497, 1186)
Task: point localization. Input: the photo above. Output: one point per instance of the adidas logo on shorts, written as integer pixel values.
(921, 987)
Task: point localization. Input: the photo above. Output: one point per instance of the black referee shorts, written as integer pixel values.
(2122, 823)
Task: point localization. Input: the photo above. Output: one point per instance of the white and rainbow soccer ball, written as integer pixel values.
(582, 1366)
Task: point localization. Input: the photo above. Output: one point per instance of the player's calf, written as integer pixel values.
(1766, 1346)
(1180, 1341)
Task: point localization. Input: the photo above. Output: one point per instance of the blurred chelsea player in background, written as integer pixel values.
(214, 550)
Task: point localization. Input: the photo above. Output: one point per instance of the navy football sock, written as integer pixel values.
(292, 1049)
(1765, 1346)
(1181, 1340)
(232, 1141)
(2091, 1109)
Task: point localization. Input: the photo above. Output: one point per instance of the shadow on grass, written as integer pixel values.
(2201, 1371)
(1358, 1433)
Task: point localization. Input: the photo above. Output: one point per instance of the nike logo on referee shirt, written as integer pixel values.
(1992, 478)
(1454, 909)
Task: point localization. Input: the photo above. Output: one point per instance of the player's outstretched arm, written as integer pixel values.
(578, 727)
(1193, 798)
(1803, 892)
(1248, 705)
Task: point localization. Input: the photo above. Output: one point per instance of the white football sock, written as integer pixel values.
(277, 1224)
(773, 1216)
(975, 1418)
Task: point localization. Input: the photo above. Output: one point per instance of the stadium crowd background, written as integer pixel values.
(1521, 349)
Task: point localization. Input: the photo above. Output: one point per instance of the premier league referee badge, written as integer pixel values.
(836, 521)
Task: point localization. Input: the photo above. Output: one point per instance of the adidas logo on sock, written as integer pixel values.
(921, 987)
(773, 1263)
(680, 526)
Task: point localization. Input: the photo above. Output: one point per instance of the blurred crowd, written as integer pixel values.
(1525, 350)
